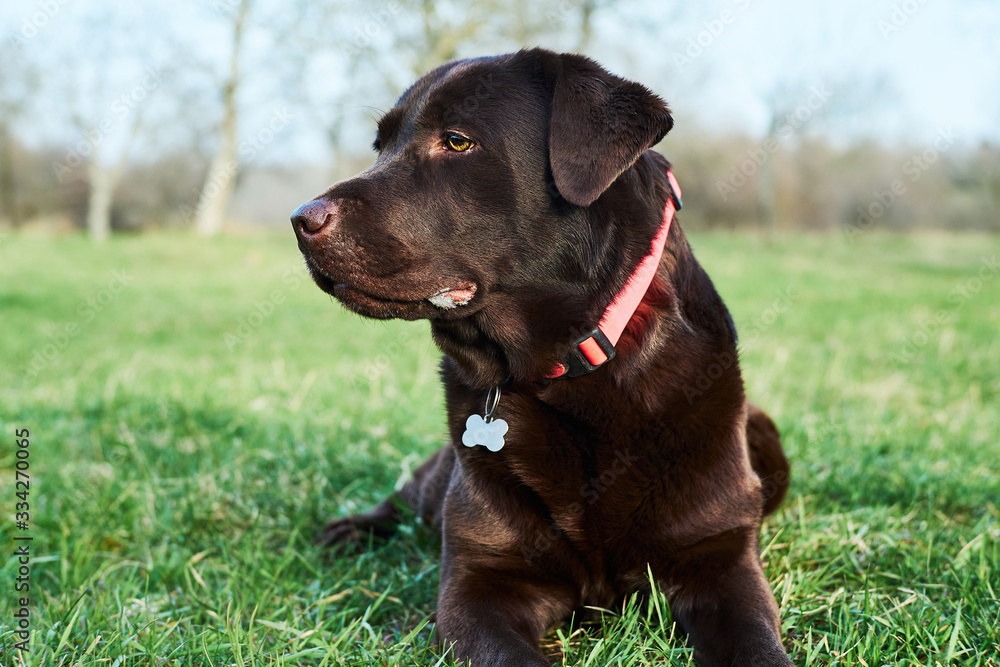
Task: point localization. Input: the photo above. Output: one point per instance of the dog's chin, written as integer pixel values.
(377, 308)
(363, 302)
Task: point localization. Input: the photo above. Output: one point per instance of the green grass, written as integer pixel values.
(180, 466)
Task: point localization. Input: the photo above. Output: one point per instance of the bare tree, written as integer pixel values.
(17, 87)
(384, 46)
(218, 187)
(103, 81)
(104, 173)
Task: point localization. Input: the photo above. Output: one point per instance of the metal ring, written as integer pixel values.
(492, 401)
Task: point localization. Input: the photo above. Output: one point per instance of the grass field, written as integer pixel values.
(198, 409)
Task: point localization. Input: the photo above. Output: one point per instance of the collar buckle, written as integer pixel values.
(586, 354)
(596, 347)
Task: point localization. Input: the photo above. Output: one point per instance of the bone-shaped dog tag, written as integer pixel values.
(489, 434)
(486, 430)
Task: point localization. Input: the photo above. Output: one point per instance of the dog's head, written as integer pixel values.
(485, 174)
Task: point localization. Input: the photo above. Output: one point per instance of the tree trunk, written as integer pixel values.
(766, 215)
(99, 203)
(765, 191)
(8, 186)
(102, 180)
(218, 187)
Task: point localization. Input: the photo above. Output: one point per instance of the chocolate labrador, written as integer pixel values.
(598, 425)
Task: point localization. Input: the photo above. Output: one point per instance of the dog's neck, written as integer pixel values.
(594, 348)
(530, 343)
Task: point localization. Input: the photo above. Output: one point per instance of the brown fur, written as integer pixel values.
(652, 463)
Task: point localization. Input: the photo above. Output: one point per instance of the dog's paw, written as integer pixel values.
(357, 530)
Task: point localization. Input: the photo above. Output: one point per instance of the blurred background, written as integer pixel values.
(119, 117)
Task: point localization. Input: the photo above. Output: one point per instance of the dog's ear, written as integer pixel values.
(599, 125)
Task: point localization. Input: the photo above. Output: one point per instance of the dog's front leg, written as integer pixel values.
(723, 601)
(493, 619)
(424, 495)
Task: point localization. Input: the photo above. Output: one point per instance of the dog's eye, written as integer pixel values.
(457, 143)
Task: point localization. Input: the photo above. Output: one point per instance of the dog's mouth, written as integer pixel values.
(405, 303)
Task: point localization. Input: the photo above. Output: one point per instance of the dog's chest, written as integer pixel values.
(596, 483)
(593, 482)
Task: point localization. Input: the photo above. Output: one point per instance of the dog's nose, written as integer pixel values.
(310, 218)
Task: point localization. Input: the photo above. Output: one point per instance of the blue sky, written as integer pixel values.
(895, 70)
(908, 68)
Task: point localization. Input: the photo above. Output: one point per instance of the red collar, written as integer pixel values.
(590, 351)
